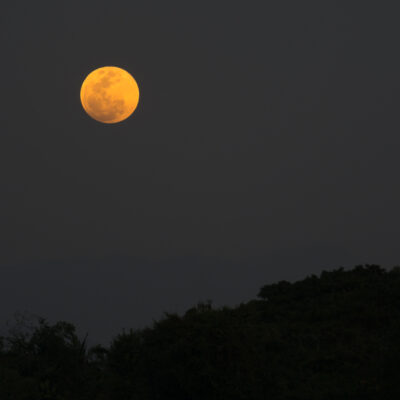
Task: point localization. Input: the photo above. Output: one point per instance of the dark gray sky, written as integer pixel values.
(265, 147)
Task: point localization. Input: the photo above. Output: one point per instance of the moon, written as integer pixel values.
(109, 94)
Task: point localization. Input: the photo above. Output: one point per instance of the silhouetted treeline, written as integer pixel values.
(336, 336)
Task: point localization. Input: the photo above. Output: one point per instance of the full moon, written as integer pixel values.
(109, 94)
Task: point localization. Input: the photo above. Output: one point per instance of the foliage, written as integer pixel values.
(336, 336)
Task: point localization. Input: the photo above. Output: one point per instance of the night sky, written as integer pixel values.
(264, 147)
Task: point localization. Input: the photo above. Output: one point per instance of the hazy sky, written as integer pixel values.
(265, 147)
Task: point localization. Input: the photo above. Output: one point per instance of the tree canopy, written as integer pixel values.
(333, 336)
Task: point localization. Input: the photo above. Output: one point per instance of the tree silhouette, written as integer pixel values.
(336, 336)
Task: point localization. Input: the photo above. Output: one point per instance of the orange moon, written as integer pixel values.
(109, 94)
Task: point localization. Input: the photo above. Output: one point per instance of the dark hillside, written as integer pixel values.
(336, 336)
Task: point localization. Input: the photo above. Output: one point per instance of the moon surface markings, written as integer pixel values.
(109, 94)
